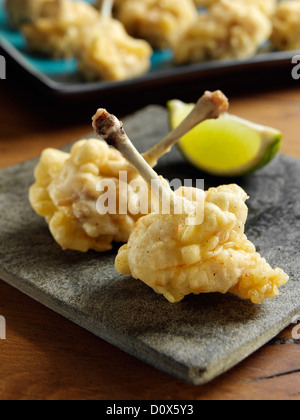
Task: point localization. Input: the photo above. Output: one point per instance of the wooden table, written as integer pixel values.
(47, 357)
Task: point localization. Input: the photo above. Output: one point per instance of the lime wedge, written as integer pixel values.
(228, 146)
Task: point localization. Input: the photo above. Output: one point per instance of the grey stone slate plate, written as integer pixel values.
(195, 340)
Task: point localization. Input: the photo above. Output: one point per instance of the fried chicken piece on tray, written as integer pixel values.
(229, 29)
(107, 52)
(200, 249)
(68, 185)
(266, 6)
(286, 26)
(160, 22)
(59, 35)
(24, 11)
(103, 48)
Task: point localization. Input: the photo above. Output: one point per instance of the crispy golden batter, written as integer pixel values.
(266, 6)
(59, 35)
(65, 194)
(107, 52)
(286, 26)
(230, 29)
(176, 259)
(160, 22)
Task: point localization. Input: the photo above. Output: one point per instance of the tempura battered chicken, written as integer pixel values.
(266, 6)
(176, 259)
(107, 52)
(286, 26)
(69, 186)
(160, 22)
(59, 35)
(200, 249)
(103, 49)
(65, 193)
(24, 11)
(230, 29)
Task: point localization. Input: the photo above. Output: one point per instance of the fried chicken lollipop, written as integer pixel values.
(268, 7)
(176, 256)
(229, 29)
(58, 35)
(107, 52)
(24, 11)
(160, 22)
(69, 185)
(286, 26)
(66, 192)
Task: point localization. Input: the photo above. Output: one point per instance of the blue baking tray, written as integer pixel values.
(60, 76)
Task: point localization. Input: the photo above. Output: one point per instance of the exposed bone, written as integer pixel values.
(107, 126)
(106, 8)
(111, 130)
(211, 105)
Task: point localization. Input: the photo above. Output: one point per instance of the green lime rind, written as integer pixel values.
(270, 154)
(250, 168)
(271, 140)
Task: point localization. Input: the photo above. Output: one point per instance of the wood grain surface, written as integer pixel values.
(47, 357)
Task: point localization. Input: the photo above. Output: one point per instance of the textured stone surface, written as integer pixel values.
(195, 340)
